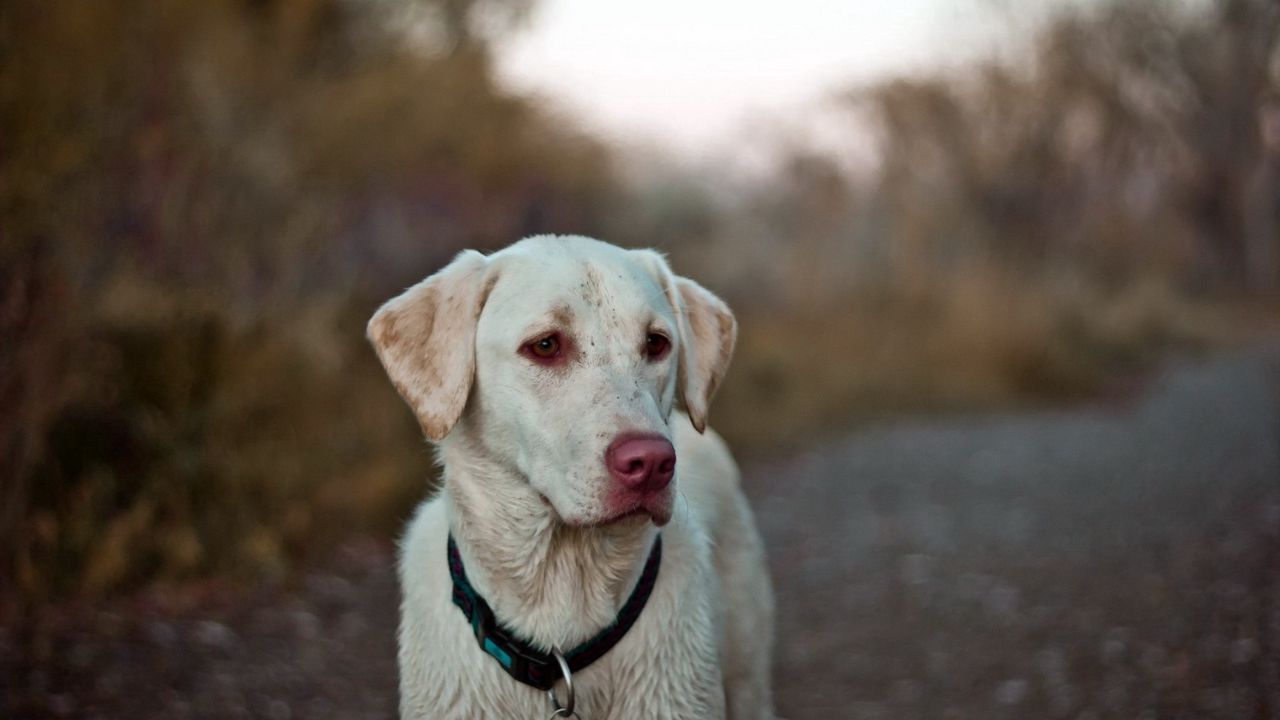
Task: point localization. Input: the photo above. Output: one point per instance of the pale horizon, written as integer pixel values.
(694, 77)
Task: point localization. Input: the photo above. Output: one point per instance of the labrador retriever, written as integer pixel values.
(590, 553)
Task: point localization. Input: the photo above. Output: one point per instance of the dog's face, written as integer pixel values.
(561, 359)
(575, 348)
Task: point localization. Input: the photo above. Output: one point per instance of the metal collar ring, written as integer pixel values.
(558, 710)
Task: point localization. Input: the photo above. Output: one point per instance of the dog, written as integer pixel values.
(590, 553)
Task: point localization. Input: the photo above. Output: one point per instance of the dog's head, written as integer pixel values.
(561, 359)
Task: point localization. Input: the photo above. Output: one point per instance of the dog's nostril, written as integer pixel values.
(635, 466)
(667, 466)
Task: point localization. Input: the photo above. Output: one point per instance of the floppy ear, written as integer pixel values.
(426, 340)
(708, 332)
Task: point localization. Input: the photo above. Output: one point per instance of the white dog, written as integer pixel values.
(566, 540)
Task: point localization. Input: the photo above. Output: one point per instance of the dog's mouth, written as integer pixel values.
(639, 514)
(642, 510)
(651, 506)
(634, 516)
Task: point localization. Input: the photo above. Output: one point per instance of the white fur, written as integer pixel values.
(526, 491)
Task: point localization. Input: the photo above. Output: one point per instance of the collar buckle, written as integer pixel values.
(509, 652)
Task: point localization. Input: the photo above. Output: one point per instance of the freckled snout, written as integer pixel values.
(641, 463)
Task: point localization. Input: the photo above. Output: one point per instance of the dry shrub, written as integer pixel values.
(214, 448)
(1032, 227)
(203, 202)
(980, 339)
(204, 199)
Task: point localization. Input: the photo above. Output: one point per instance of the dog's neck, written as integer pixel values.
(551, 583)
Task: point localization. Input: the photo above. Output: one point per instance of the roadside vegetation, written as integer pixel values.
(204, 200)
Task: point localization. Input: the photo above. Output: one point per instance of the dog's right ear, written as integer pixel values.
(426, 340)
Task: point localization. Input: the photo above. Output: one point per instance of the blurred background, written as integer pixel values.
(1006, 274)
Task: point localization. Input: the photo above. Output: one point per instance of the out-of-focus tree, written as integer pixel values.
(1135, 141)
(202, 202)
(1029, 226)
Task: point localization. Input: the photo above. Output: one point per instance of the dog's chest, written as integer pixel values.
(666, 666)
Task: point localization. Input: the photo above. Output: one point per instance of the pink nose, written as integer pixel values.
(644, 463)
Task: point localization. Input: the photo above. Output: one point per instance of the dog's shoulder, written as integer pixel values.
(707, 475)
(422, 549)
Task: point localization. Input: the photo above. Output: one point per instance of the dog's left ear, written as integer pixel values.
(426, 340)
(708, 332)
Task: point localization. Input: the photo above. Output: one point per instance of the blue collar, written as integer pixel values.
(526, 663)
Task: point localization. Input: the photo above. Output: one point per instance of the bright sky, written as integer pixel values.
(691, 75)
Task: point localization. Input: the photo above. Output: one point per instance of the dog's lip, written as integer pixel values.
(627, 515)
(658, 512)
(612, 519)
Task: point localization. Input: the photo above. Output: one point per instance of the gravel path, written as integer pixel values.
(1114, 561)
(1105, 562)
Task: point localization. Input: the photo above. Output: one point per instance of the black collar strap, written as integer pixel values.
(527, 663)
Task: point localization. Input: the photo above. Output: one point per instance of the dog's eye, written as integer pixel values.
(546, 348)
(656, 345)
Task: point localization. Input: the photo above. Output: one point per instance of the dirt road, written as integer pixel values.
(1120, 560)
(1116, 561)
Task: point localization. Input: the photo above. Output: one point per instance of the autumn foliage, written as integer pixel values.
(203, 201)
